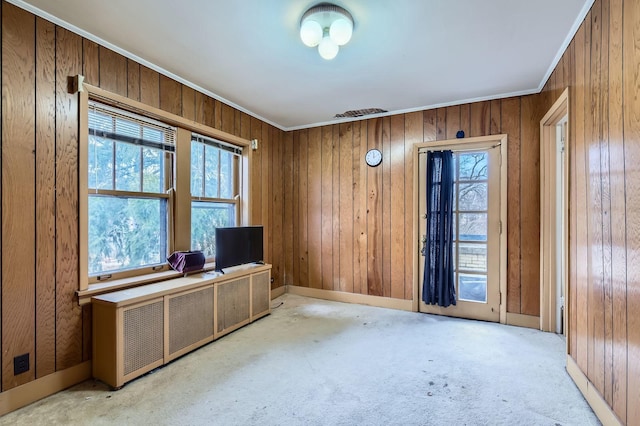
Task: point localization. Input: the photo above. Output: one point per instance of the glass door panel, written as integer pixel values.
(475, 233)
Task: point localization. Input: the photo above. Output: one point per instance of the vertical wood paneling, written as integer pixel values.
(133, 80)
(245, 119)
(201, 107)
(480, 118)
(618, 219)
(453, 121)
(18, 196)
(217, 115)
(580, 286)
(374, 212)
(91, 62)
(359, 171)
(335, 174)
(441, 124)
(594, 195)
(290, 198)
(170, 95)
(294, 216)
(429, 125)
(345, 148)
(303, 213)
(386, 206)
(68, 313)
(606, 205)
(150, 87)
(256, 172)
(45, 198)
(209, 113)
(314, 206)
(511, 126)
(413, 131)
(113, 71)
(267, 216)
(277, 213)
(227, 118)
(189, 111)
(631, 82)
(397, 198)
(465, 119)
(495, 126)
(530, 207)
(327, 207)
(573, 215)
(237, 122)
(277, 216)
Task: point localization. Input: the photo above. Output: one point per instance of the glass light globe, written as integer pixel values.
(327, 48)
(340, 31)
(310, 33)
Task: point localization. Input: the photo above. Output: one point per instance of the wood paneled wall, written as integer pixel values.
(601, 68)
(40, 315)
(349, 227)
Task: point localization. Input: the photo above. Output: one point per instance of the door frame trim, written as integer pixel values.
(500, 140)
(548, 211)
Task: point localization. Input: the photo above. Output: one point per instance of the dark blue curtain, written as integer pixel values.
(438, 286)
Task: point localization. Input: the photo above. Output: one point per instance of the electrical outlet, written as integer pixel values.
(20, 364)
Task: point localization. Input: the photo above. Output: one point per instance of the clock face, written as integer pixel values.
(373, 157)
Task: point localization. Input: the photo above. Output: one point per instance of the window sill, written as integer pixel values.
(84, 296)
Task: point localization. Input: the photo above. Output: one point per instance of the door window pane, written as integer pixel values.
(472, 257)
(472, 196)
(472, 226)
(473, 166)
(472, 287)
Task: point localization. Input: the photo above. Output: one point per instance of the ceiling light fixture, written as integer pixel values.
(327, 26)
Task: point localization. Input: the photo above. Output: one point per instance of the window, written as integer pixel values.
(130, 160)
(214, 190)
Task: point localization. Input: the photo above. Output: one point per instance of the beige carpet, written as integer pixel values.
(313, 362)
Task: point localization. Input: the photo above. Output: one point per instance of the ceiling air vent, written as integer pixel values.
(360, 112)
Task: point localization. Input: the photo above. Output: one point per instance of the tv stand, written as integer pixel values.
(142, 328)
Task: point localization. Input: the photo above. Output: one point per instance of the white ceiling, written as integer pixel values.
(404, 55)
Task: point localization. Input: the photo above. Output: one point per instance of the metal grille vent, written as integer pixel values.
(143, 336)
(233, 302)
(360, 112)
(190, 319)
(260, 293)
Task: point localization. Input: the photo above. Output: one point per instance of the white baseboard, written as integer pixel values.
(20, 396)
(598, 404)
(361, 299)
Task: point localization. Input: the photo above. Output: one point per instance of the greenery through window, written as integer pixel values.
(130, 174)
(214, 190)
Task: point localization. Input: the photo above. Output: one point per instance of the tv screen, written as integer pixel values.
(238, 245)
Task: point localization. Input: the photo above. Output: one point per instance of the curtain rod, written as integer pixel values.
(425, 149)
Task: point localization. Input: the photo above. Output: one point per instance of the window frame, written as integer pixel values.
(235, 197)
(179, 196)
(168, 181)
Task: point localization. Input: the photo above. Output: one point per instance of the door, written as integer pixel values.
(476, 229)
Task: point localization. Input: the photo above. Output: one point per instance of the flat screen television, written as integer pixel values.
(238, 245)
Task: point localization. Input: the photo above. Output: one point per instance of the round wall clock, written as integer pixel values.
(373, 157)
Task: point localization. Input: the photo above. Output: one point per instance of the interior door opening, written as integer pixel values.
(554, 228)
